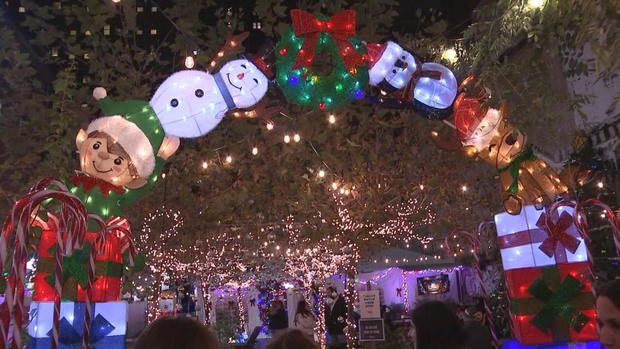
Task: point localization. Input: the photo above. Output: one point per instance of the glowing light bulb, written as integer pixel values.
(464, 188)
(421, 186)
(229, 159)
(205, 165)
(341, 190)
(287, 139)
(116, 1)
(254, 151)
(334, 185)
(535, 3)
(321, 173)
(189, 62)
(600, 184)
(297, 137)
(163, 175)
(331, 118)
(450, 55)
(269, 126)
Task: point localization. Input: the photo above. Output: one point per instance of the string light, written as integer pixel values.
(600, 184)
(321, 173)
(189, 62)
(331, 119)
(229, 159)
(205, 165)
(287, 139)
(297, 138)
(464, 188)
(450, 55)
(535, 4)
(255, 151)
(269, 126)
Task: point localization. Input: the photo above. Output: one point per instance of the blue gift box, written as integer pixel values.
(514, 344)
(107, 328)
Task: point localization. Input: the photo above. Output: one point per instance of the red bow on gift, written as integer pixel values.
(557, 233)
(341, 27)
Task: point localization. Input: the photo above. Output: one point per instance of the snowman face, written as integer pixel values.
(188, 104)
(395, 67)
(246, 83)
(436, 93)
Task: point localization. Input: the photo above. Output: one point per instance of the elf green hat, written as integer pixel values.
(132, 124)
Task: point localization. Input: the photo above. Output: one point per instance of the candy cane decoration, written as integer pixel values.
(475, 243)
(72, 222)
(582, 223)
(112, 225)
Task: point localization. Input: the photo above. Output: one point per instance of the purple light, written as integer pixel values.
(359, 94)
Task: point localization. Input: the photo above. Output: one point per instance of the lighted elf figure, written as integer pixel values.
(121, 155)
(190, 103)
(395, 70)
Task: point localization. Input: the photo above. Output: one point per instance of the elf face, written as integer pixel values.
(246, 83)
(102, 158)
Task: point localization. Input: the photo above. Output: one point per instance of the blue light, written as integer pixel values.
(293, 80)
(359, 94)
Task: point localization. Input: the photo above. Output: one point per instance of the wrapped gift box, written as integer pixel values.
(526, 241)
(108, 268)
(108, 325)
(552, 304)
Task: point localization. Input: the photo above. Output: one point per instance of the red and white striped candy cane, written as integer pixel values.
(474, 240)
(582, 222)
(97, 248)
(71, 226)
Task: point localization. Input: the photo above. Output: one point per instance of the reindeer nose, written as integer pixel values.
(240, 76)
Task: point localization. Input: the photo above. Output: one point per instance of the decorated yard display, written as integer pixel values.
(485, 132)
(297, 49)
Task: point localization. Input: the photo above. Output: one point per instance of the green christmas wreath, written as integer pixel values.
(309, 37)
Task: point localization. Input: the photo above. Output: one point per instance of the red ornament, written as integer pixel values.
(283, 51)
(322, 105)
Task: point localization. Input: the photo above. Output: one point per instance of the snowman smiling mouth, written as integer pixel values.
(96, 169)
(230, 82)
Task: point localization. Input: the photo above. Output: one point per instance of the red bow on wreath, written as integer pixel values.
(341, 27)
(557, 233)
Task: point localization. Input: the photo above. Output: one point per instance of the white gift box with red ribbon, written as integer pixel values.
(536, 238)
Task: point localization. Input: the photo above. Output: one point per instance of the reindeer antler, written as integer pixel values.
(232, 46)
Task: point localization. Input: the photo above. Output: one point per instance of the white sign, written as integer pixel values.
(370, 304)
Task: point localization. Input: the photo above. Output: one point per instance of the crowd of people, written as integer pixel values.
(434, 326)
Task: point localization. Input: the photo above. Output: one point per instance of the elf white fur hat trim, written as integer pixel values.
(131, 138)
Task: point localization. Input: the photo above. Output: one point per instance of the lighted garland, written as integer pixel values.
(295, 53)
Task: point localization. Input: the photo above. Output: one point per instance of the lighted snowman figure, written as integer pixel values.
(392, 68)
(190, 103)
